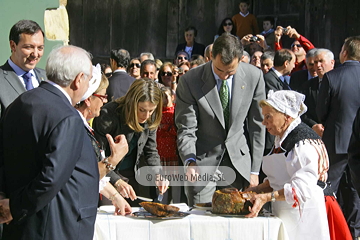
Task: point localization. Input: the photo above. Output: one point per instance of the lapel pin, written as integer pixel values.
(243, 87)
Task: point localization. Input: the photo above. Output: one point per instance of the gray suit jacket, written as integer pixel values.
(11, 86)
(200, 121)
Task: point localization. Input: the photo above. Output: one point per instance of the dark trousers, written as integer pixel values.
(339, 176)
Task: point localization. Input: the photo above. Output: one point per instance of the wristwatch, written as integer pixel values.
(273, 197)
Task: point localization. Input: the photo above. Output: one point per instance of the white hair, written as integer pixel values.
(64, 63)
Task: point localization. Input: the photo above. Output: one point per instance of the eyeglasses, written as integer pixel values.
(182, 58)
(297, 45)
(108, 74)
(227, 24)
(135, 65)
(102, 97)
(166, 74)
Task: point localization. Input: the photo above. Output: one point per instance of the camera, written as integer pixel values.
(285, 30)
(254, 39)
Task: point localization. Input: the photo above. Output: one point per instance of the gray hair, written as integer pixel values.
(245, 53)
(64, 63)
(311, 53)
(328, 54)
(149, 55)
(268, 55)
(229, 47)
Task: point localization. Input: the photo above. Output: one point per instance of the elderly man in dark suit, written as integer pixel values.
(51, 174)
(120, 81)
(19, 73)
(213, 101)
(337, 104)
(324, 62)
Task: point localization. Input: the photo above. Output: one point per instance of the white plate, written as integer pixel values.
(200, 206)
(107, 208)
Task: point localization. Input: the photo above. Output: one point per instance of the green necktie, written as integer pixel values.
(224, 98)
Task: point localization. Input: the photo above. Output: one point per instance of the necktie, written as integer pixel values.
(28, 82)
(286, 86)
(224, 98)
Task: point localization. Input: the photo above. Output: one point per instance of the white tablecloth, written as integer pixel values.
(199, 225)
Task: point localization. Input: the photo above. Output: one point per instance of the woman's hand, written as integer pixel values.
(258, 201)
(119, 148)
(122, 207)
(125, 189)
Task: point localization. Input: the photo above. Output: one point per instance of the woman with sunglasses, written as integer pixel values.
(136, 115)
(168, 76)
(134, 68)
(226, 25)
(89, 107)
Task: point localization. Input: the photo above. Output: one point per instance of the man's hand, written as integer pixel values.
(192, 172)
(261, 41)
(162, 185)
(278, 33)
(319, 129)
(246, 39)
(292, 33)
(125, 189)
(254, 180)
(119, 148)
(5, 214)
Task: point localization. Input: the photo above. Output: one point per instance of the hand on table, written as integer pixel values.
(258, 201)
(122, 207)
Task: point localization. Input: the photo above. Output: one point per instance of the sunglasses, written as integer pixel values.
(182, 58)
(135, 65)
(297, 45)
(102, 97)
(108, 74)
(166, 74)
(227, 24)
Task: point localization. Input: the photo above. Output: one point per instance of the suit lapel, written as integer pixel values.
(39, 77)
(238, 87)
(13, 79)
(211, 93)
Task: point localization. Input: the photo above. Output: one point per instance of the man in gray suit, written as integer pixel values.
(210, 130)
(19, 73)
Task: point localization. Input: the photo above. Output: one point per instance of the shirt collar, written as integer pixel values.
(85, 122)
(277, 72)
(119, 70)
(244, 15)
(61, 89)
(18, 70)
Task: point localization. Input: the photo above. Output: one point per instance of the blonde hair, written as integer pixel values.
(141, 90)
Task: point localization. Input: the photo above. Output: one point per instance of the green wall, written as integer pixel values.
(12, 11)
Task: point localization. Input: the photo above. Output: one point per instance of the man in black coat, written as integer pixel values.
(323, 62)
(275, 79)
(337, 104)
(51, 176)
(120, 80)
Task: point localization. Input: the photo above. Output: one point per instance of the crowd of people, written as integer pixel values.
(77, 133)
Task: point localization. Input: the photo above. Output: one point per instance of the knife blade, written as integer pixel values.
(144, 199)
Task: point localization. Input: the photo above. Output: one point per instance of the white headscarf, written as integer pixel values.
(94, 82)
(286, 101)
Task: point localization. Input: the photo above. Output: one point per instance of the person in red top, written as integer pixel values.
(300, 46)
(166, 136)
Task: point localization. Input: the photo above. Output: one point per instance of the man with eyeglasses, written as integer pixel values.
(181, 57)
(300, 46)
(120, 80)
